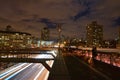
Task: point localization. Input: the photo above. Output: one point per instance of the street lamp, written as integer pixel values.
(59, 33)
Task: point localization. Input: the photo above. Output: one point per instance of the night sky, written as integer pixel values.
(32, 15)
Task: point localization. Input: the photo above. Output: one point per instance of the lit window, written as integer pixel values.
(17, 33)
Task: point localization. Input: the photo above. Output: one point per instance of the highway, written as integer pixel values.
(33, 72)
(28, 71)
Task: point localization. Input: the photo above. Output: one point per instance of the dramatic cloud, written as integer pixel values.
(32, 15)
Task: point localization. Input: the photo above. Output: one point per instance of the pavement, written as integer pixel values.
(82, 68)
(70, 67)
(59, 70)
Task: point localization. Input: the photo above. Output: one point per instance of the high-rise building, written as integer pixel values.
(94, 35)
(45, 34)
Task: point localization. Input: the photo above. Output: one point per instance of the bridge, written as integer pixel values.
(28, 55)
(63, 66)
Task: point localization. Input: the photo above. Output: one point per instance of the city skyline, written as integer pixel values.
(31, 16)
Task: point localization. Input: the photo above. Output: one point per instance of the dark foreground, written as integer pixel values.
(80, 69)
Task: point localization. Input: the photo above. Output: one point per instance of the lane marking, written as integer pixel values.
(39, 73)
(11, 71)
(47, 74)
(8, 78)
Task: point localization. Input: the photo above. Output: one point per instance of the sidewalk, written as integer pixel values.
(79, 69)
(59, 70)
(69, 67)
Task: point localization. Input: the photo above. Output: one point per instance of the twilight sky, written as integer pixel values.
(32, 15)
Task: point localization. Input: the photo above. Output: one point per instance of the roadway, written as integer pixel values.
(33, 72)
(29, 71)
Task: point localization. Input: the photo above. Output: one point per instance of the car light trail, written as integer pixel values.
(11, 71)
(43, 68)
(8, 78)
(47, 74)
(39, 73)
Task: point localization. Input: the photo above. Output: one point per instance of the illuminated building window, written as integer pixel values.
(13, 39)
(94, 34)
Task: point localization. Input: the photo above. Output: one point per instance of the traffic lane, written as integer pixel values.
(10, 70)
(45, 73)
(13, 70)
(42, 56)
(29, 73)
(36, 70)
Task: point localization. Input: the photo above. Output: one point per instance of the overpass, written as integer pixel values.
(29, 56)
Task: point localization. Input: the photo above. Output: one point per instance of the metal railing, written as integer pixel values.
(108, 56)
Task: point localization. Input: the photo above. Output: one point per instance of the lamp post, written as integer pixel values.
(59, 33)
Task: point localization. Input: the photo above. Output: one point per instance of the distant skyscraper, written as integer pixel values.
(94, 34)
(45, 33)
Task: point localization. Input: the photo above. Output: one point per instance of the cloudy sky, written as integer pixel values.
(32, 15)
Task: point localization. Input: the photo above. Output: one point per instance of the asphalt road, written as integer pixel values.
(29, 73)
(33, 72)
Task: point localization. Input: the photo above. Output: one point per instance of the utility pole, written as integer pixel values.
(59, 34)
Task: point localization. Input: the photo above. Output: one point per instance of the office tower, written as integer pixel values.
(94, 35)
